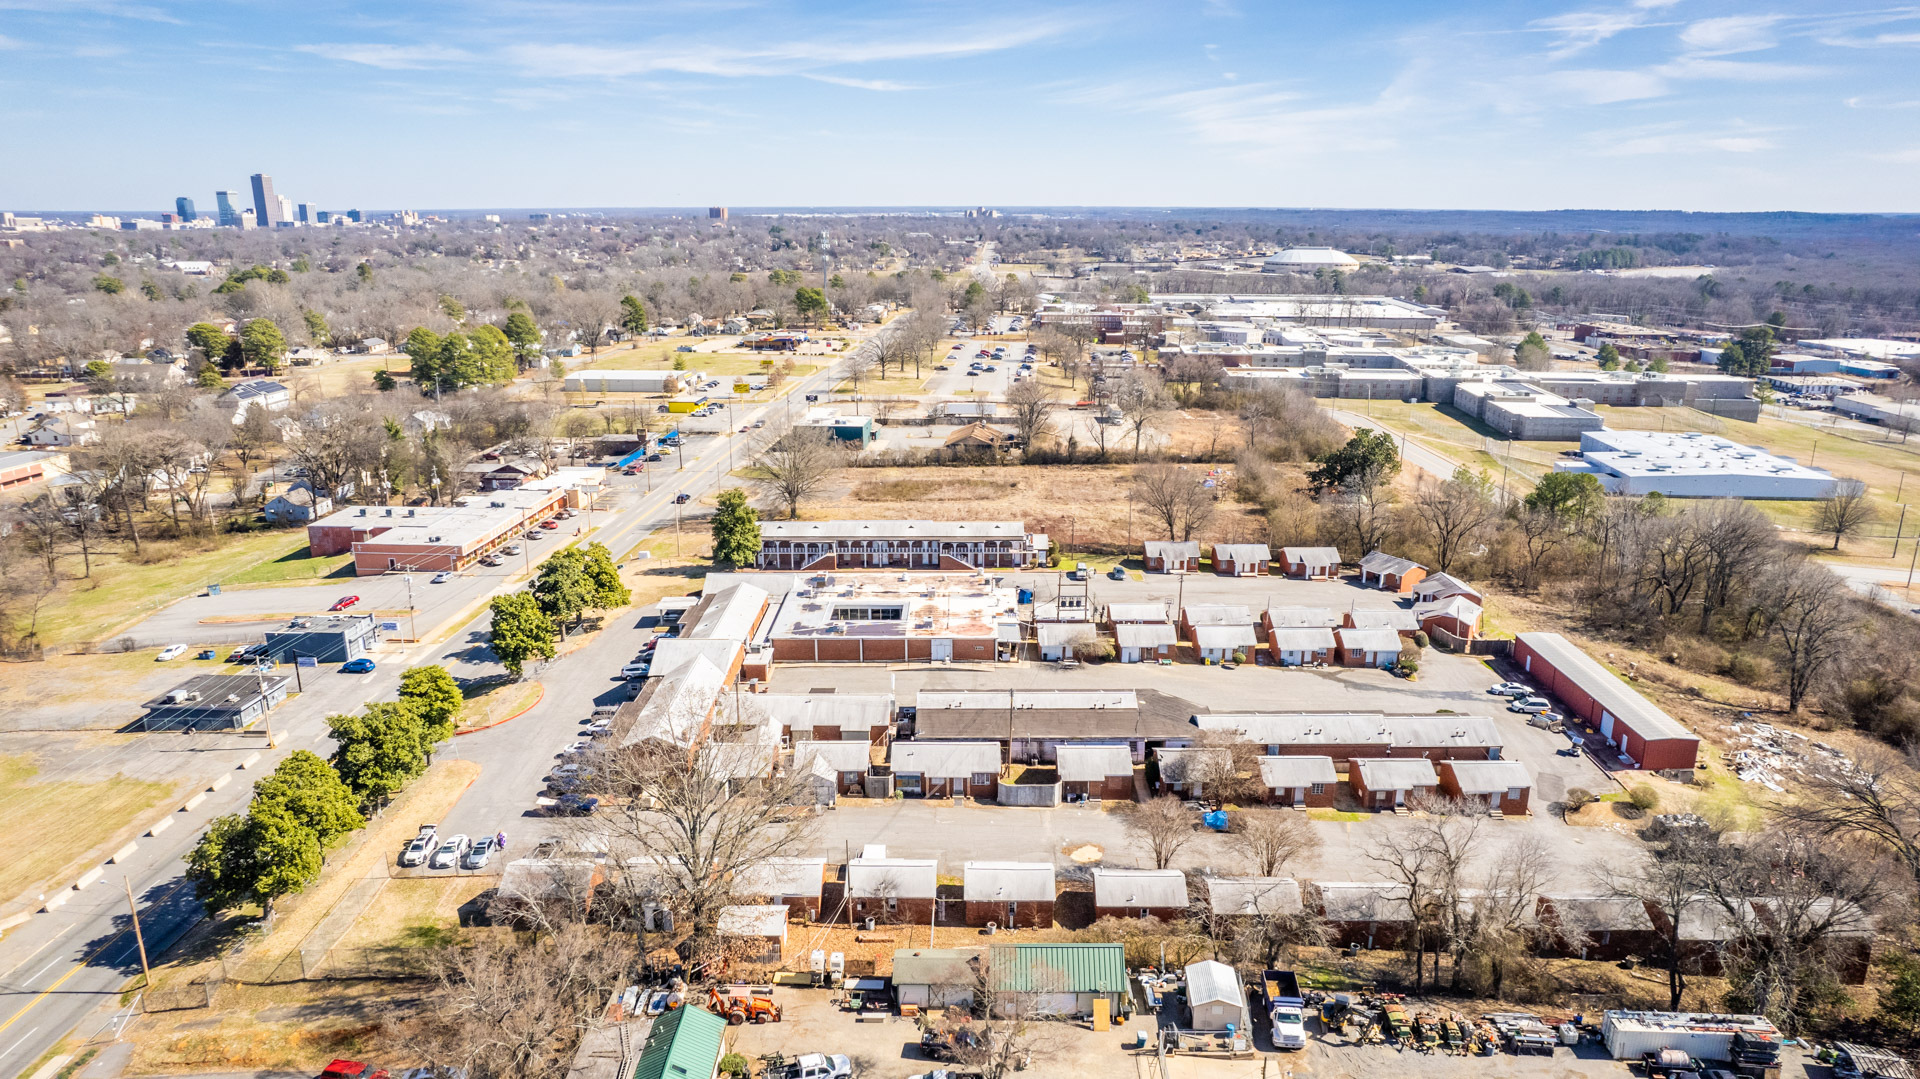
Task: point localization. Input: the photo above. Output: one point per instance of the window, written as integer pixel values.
(981, 779)
(868, 614)
(1319, 788)
(893, 904)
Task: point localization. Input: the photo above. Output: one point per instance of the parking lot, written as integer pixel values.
(988, 385)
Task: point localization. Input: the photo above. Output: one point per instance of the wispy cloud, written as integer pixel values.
(390, 57)
(11, 43)
(1679, 139)
(144, 12)
(884, 85)
(1577, 31)
(1731, 34)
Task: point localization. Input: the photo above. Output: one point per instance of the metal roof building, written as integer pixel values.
(1134, 889)
(1643, 733)
(1230, 896)
(1007, 882)
(1215, 997)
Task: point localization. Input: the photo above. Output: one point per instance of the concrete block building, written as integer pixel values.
(1139, 893)
(1643, 733)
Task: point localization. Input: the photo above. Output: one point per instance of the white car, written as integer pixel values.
(635, 670)
(574, 748)
(442, 578)
(448, 854)
(1531, 704)
(172, 651)
(1510, 689)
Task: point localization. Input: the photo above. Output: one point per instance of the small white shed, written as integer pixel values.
(1215, 996)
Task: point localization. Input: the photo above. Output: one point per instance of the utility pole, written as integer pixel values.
(146, 973)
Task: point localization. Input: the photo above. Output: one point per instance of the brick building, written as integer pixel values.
(826, 546)
(1011, 895)
(1639, 729)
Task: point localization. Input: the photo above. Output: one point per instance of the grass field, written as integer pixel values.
(414, 912)
(123, 590)
(330, 380)
(294, 567)
(1446, 430)
(892, 384)
(495, 702)
(52, 826)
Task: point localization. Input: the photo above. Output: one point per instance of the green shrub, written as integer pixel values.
(1577, 797)
(1420, 639)
(1239, 657)
(735, 1064)
(1644, 798)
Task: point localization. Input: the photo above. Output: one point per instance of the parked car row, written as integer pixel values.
(435, 851)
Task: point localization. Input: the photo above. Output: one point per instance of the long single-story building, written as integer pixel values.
(1643, 733)
(1063, 979)
(1502, 786)
(1248, 897)
(1089, 771)
(1372, 914)
(1349, 736)
(816, 546)
(1145, 642)
(1031, 726)
(880, 618)
(215, 702)
(1310, 563)
(337, 639)
(1298, 647)
(830, 717)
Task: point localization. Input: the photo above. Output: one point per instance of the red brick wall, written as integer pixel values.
(1034, 914)
(330, 540)
(1284, 796)
(1165, 914)
(913, 911)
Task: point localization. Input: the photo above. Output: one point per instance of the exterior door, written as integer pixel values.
(1606, 725)
(942, 648)
(1013, 913)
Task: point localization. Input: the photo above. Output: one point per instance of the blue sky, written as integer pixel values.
(1672, 104)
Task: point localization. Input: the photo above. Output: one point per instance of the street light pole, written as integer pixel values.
(146, 972)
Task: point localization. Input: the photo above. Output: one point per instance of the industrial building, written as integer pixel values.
(631, 381)
(1525, 412)
(1692, 464)
(1369, 312)
(933, 545)
(1309, 259)
(1645, 735)
(1874, 408)
(387, 539)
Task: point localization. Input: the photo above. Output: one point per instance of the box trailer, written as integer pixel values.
(1632, 1035)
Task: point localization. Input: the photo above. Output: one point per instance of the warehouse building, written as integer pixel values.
(1646, 736)
(1692, 464)
(872, 618)
(631, 381)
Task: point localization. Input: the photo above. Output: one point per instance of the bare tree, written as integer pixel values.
(1845, 513)
(1809, 611)
(1142, 401)
(795, 466)
(1501, 912)
(1738, 543)
(1270, 839)
(1364, 514)
(1455, 516)
(693, 819)
(1876, 796)
(1032, 407)
(1428, 858)
(1163, 824)
(1670, 884)
(1175, 496)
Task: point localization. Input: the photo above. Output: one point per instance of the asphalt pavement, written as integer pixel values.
(63, 969)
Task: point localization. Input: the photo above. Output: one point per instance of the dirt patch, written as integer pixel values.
(1084, 853)
(964, 489)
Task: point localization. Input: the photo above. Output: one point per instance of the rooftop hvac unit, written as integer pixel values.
(233, 698)
(409, 513)
(362, 513)
(433, 539)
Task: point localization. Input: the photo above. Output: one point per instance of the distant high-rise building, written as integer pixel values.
(266, 205)
(353, 216)
(286, 211)
(305, 213)
(717, 213)
(229, 214)
(184, 207)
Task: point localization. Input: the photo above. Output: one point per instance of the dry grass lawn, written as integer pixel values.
(293, 1028)
(492, 703)
(414, 912)
(125, 589)
(55, 829)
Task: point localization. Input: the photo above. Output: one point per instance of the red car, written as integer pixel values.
(549, 524)
(344, 602)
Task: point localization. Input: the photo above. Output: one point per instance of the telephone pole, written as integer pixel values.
(145, 972)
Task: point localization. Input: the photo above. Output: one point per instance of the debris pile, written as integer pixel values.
(1773, 756)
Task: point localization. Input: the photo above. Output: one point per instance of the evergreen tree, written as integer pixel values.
(423, 346)
(736, 530)
(561, 587)
(1609, 357)
(317, 330)
(255, 857)
(1569, 495)
(603, 578)
(1369, 457)
(524, 336)
(633, 315)
(263, 345)
(381, 750)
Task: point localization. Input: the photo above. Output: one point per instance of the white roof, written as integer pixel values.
(1301, 640)
(1489, 777)
(850, 756)
(1301, 617)
(1440, 583)
(1173, 549)
(1369, 640)
(1223, 636)
(769, 920)
(1136, 612)
(1213, 982)
(1398, 774)
(1688, 453)
(900, 878)
(971, 530)
(730, 614)
(850, 712)
(1008, 882)
(928, 700)
(1363, 901)
(1290, 771)
(1253, 895)
(781, 876)
(1217, 614)
(1058, 633)
(1143, 634)
(1242, 552)
(1312, 556)
(1178, 763)
(1139, 888)
(1606, 688)
(677, 708)
(1382, 562)
(1383, 618)
(1312, 256)
(946, 760)
(1090, 764)
(1449, 607)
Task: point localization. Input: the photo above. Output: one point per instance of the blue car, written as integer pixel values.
(357, 666)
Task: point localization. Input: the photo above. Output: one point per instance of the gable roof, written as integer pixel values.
(1136, 612)
(935, 966)
(898, 878)
(1605, 687)
(684, 1043)
(1369, 640)
(1301, 640)
(1179, 763)
(1398, 774)
(1440, 584)
(1362, 901)
(1489, 777)
(848, 711)
(946, 760)
(1223, 637)
(1173, 550)
(1449, 606)
(1139, 888)
(1093, 763)
(1302, 618)
(1242, 552)
(1144, 634)
(1290, 771)
(1394, 618)
(1311, 556)
(1008, 882)
(1253, 895)
(1212, 982)
(1378, 561)
(1217, 614)
(782, 876)
(1060, 968)
(852, 756)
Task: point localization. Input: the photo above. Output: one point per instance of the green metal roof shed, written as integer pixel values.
(1060, 968)
(684, 1043)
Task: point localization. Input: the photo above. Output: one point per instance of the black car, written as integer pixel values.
(682, 499)
(948, 1045)
(575, 805)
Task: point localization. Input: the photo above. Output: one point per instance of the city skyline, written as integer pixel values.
(1637, 104)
